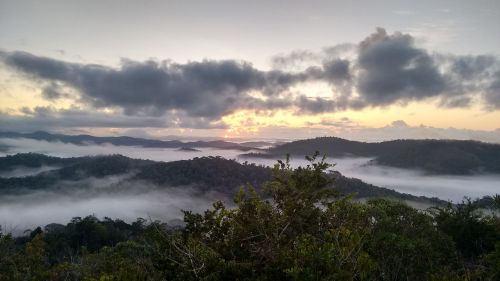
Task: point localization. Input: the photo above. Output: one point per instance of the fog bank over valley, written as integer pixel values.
(447, 187)
(112, 197)
(119, 196)
(60, 149)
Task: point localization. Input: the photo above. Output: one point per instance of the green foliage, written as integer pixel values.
(28, 262)
(474, 233)
(9, 258)
(405, 243)
(295, 228)
(497, 201)
(493, 260)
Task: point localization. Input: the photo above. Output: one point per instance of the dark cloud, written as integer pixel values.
(387, 68)
(207, 89)
(337, 71)
(458, 101)
(472, 67)
(269, 104)
(468, 78)
(492, 95)
(314, 105)
(392, 70)
(381, 70)
(48, 118)
(53, 91)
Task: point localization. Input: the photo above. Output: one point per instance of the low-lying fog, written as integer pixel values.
(21, 212)
(447, 187)
(18, 172)
(60, 149)
(42, 208)
(408, 181)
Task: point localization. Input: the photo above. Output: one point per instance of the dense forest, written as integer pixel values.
(203, 174)
(432, 156)
(295, 228)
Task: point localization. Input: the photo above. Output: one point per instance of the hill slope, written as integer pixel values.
(126, 141)
(433, 156)
(204, 174)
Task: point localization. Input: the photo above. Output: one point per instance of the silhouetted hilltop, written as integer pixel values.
(433, 156)
(124, 141)
(204, 174)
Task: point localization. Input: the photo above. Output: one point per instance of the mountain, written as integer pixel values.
(203, 174)
(125, 141)
(432, 156)
(454, 157)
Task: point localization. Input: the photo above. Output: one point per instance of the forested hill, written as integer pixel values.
(204, 174)
(433, 156)
(127, 141)
(300, 230)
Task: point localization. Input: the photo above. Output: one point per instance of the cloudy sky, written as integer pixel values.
(366, 70)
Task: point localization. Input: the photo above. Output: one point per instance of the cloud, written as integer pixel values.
(469, 78)
(399, 129)
(294, 60)
(383, 69)
(303, 59)
(492, 94)
(53, 91)
(208, 89)
(343, 123)
(339, 74)
(314, 105)
(472, 67)
(392, 70)
(49, 118)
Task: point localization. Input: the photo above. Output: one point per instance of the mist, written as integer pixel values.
(118, 197)
(416, 182)
(113, 197)
(60, 149)
(25, 171)
(446, 187)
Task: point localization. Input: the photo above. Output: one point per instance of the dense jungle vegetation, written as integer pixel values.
(295, 228)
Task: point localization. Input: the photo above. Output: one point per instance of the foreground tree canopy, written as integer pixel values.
(297, 229)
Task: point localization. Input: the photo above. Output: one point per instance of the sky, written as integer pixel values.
(366, 70)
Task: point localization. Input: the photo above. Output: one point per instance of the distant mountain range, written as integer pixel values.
(203, 174)
(131, 141)
(432, 156)
(454, 157)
